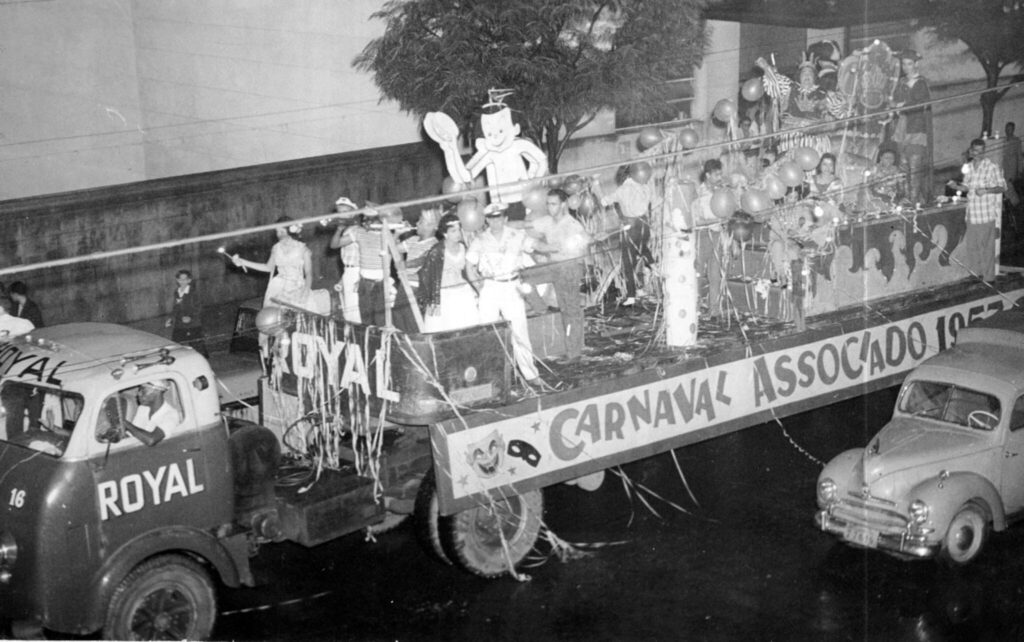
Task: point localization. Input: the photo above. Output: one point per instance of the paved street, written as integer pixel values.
(746, 564)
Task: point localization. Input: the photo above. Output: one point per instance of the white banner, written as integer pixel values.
(560, 438)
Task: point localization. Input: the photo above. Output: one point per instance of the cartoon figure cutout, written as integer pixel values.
(501, 153)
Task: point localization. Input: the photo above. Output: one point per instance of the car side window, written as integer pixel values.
(1017, 417)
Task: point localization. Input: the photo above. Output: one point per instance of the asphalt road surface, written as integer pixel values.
(743, 562)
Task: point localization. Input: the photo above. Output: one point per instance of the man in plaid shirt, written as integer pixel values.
(984, 184)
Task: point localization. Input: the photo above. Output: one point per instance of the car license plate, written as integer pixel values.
(863, 536)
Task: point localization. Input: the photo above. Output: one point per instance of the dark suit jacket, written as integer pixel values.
(31, 312)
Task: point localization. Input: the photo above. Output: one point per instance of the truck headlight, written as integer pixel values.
(827, 490)
(8, 549)
(919, 512)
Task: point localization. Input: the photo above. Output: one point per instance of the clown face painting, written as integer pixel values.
(486, 456)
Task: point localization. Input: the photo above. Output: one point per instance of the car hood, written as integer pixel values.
(909, 443)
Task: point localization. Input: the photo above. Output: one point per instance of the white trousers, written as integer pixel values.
(502, 300)
(350, 294)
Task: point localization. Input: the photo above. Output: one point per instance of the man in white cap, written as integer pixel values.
(349, 257)
(493, 262)
(154, 413)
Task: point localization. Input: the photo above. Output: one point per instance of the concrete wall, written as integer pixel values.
(69, 113)
(100, 92)
(136, 288)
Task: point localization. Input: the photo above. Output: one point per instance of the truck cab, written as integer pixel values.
(114, 469)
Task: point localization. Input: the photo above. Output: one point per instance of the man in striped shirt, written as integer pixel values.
(984, 184)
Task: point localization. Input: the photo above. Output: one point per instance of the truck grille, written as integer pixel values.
(870, 514)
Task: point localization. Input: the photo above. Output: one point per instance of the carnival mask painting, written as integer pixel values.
(486, 456)
(525, 451)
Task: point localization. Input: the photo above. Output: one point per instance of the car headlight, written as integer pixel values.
(919, 512)
(827, 490)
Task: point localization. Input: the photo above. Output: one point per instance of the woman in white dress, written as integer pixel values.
(293, 263)
(448, 300)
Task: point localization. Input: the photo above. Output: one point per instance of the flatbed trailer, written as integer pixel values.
(487, 445)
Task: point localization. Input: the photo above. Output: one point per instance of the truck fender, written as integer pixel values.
(229, 556)
(945, 497)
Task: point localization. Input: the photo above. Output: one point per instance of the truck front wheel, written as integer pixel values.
(165, 598)
(491, 539)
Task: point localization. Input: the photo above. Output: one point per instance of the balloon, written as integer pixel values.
(470, 215)
(688, 138)
(774, 186)
(450, 186)
(641, 172)
(754, 201)
(723, 203)
(574, 201)
(270, 320)
(752, 90)
(806, 157)
(725, 109)
(588, 204)
(535, 199)
(649, 137)
(572, 184)
(791, 174)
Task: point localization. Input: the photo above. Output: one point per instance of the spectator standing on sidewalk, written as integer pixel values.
(25, 307)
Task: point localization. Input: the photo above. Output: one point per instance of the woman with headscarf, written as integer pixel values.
(448, 300)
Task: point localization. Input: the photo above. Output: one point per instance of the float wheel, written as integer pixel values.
(425, 518)
(485, 540)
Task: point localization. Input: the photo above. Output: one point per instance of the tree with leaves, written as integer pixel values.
(992, 31)
(564, 59)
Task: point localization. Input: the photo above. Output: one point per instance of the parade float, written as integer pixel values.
(826, 294)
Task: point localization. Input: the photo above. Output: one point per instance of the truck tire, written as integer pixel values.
(966, 536)
(169, 597)
(425, 518)
(476, 539)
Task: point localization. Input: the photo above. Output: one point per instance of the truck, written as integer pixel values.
(113, 527)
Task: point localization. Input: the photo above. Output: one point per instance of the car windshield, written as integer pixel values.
(38, 417)
(950, 403)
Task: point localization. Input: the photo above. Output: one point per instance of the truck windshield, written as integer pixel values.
(38, 417)
(951, 404)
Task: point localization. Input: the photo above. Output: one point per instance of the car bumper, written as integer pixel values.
(900, 543)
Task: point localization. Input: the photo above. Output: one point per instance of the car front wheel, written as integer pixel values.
(966, 535)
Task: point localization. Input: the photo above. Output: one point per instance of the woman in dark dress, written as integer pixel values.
(186, 317)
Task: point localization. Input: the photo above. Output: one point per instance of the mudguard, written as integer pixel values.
(229, 556)
(945, 497)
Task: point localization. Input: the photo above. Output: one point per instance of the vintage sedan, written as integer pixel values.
(949, 466)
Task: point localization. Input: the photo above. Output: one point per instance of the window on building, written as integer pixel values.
(678, 107)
